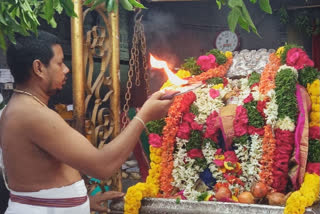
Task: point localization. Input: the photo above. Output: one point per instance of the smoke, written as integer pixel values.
(161, 30)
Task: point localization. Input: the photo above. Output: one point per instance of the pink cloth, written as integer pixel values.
(300, 154)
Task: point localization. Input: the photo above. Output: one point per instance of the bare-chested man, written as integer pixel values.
(42, 154)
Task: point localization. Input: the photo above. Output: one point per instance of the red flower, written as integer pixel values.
(195, 153)
(230, 156)
(184, 131)
(297, 58)
(313, 168)
(207, 62)
(155, 140)
(253, 130)
(225, 81)
(248, 99)
(214, 93)
(218, 152)
(261, 106)
(188, 117)
(196, 126)
(187, 100)
(314, 132)
(256, 84)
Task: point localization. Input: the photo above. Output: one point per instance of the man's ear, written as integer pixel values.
(38, 68)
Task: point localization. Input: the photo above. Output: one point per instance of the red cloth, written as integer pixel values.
(49, 202)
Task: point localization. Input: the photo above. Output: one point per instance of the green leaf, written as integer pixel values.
(253, 1)
(235, 3)
(110, 6)
(53, 23)
(57, 6)
(243, 24)
(265, 6)
(137, 4)
(126, 5)
(68, 6)
(219, 4)
(48, 10)
(2, 41)
(233, 18)
(88, 2)
(247, 18)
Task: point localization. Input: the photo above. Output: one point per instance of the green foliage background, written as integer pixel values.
(22, 16)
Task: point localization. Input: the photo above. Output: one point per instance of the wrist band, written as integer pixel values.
(141, 121)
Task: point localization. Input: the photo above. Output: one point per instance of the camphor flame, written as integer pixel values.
(155, 63)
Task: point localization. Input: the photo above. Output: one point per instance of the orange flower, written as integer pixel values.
(267, 80)
(219, 71)
(268, 148)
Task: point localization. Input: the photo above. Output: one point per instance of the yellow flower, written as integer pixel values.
(183, 74)
(315, 117)
(229, 166)
(218, 86)
(314, 88)
(166, 84)
(208, 197)
(228, 54)
(280, 51)
(219, 157)
(235, 198)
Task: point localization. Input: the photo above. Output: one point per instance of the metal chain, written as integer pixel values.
(144, 58)
(134, 64)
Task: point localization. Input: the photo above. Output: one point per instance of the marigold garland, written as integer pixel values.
(267, 80)
(169, 135)
(149, 189)
(305, 196)
(268, 147)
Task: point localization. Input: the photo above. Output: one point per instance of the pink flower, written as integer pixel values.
(207, 62)
(196, 126)
(214, 93)
(248, 99)
(218, 152)
(297, 58)
(218, 162)
(184, 131)
(155, 140)
(195, 153)
(212, 125)
(188, 117)
(240, 123)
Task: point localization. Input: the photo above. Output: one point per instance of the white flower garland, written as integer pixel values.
(206, 104)
(254, 167)
(271, 110)
(286, 124)
(185, 176)
(208, 153)
(242, 153)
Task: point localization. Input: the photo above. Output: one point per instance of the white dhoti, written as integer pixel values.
(70, 199)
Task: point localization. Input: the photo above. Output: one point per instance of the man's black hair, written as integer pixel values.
(21, 55)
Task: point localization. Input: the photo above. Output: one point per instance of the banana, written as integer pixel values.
(137, 4)
(126, 5)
